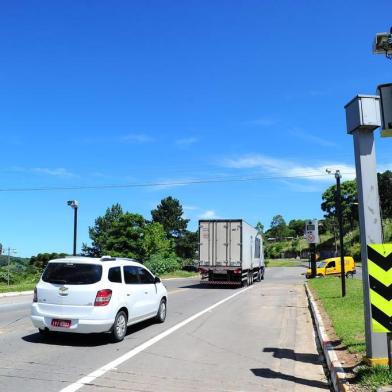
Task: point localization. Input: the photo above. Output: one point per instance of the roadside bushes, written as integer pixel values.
(161, 263)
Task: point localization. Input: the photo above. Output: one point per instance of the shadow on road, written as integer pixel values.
(291, 354)
(81, 340)
(211, 286)
(268, 373)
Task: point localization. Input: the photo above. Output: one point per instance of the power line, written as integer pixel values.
(164, 184)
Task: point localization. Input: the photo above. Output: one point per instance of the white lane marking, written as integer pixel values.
(114, 364)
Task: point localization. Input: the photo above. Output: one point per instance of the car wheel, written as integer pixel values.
(162, 310)
(262, 275)
(119, 329)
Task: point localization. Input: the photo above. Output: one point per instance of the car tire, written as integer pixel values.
(262, 274)
(162, 310)
(119, 329)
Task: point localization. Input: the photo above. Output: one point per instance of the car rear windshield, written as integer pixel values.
(72, 273)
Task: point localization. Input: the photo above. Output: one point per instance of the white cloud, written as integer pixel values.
(308, 137)
(285, 168)
(54, 172)
(137, 138)
(57, 172)
(171, 183)
(190, 208)
(209, 214)
(187, 141)
(262, 122)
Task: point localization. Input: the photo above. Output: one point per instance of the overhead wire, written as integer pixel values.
(163, 183)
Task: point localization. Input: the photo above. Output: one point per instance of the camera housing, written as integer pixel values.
(383, 44)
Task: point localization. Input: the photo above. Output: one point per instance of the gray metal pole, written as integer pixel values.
(8, 266)
(370, 227)
(340, 220)
(75, 229)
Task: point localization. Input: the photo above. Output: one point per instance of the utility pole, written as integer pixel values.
(9, 250)
(340, 220)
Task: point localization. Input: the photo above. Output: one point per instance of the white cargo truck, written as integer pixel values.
(230, 252)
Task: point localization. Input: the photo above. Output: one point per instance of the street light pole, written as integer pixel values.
(74, 205)
(338, 204)
(340, 220)
(75, 229)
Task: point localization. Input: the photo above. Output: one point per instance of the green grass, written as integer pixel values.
(179, 274)
(374, 377)
(16, 287)
(283, 263)
(345, 313)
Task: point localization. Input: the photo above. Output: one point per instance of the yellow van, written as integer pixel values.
(331, 266)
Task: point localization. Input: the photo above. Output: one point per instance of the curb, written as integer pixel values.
(338, 376)
(16, 293)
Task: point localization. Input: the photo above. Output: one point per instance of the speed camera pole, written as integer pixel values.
(340, 220)
(363, 117)
(313, 259)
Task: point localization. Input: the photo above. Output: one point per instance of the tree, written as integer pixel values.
(297, 226)
(98, 233)
(169, 214)
(154, 241)
(187, 244)
(260, 227)
(41, 259)
(124, 237)
(385, 193)
(348, 202)
(279, 228)
(116, 233)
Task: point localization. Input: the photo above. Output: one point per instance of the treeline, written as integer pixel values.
(279, 231)
(163, 243)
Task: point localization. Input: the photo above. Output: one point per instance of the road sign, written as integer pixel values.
(311, 231)
(380, 282)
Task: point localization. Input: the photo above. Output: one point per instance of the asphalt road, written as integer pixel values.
(257, 339)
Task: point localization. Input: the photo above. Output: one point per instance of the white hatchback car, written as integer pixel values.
(89, 295)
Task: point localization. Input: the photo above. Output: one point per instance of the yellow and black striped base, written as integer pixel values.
(380, 284)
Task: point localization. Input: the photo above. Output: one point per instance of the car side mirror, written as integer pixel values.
(157, 280)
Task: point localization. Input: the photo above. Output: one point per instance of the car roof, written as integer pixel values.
(105, 260)
(337, 258)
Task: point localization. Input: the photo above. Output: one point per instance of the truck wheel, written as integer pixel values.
(262, 274)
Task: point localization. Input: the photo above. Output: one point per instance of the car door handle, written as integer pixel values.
(128, 294)
(146, 292)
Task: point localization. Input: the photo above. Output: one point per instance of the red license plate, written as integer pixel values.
(61, 323)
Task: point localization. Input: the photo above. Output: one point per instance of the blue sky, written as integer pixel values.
(98, 93)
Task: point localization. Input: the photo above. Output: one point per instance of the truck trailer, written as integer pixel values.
(230, 252)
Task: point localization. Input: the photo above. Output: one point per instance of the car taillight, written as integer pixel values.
(35, 297)
(203, 270)
(237, 271)
(103, 297)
